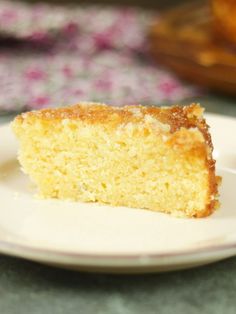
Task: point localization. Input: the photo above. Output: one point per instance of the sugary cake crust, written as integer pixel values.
(169, 119)
(176, 116)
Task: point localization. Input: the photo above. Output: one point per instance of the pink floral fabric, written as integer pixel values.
(53, 56)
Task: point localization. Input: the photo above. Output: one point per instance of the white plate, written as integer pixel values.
(103, 238)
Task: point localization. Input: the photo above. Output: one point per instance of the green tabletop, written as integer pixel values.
(28, 287)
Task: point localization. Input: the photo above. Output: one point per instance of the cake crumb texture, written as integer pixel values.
(157, 158)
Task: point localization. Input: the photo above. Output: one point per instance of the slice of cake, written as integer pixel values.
(144, 157)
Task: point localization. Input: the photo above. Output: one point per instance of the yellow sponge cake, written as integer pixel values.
(136, 156)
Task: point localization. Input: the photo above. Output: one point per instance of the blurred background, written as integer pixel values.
(57, 53)
(151, 4)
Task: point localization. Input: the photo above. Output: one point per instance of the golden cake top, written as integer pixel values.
(95, 113)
